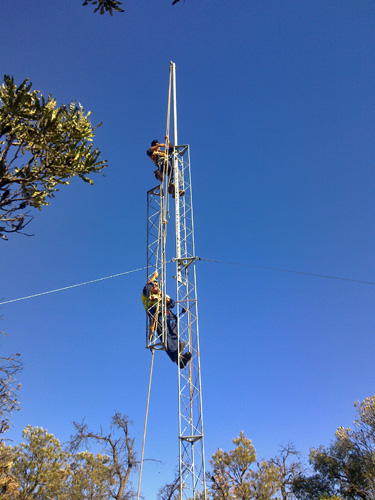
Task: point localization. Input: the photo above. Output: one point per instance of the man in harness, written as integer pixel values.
(163, 161)
(151, 298)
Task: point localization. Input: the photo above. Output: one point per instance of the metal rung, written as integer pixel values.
(191, 439)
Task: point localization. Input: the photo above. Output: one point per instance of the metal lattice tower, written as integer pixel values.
(192, 468)
(191, 440)
(156, 255)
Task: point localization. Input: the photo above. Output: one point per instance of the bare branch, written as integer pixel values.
(10, 367)
(119, 449)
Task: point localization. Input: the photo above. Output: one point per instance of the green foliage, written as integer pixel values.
(104, 6)
(335, 497)
(8, 485)
(231, 473)
(120, 456)
(237, 476)
(91, 476)
(42, 146)
(346, 468)
(40, 469)
(9, 369)
(40, 466)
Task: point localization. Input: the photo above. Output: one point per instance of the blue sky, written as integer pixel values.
(277, 102)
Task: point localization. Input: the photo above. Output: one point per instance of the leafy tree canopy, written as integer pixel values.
(118, 447)
(104, 6)
(40, 468)
(346, 468)
(237, 475)
(10, 366)
(42, 146)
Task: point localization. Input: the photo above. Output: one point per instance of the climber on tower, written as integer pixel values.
(152, 302)
(162, 159)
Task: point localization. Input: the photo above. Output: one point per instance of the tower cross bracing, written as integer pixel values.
(161, 212)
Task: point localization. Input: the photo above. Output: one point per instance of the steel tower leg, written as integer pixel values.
(156, 261)
(192, 464)
(191, 442)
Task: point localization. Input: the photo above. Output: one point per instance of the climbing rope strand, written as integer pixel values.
(73, 286)
(164, 185)
(145, 426)
(162, 228)
(162, 215)
(166, 159)
(162, 223)
(169, 104)
(164, 200)
(198, 258)
(288, 271)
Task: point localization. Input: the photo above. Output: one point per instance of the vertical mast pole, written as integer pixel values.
(191, 467)
(173, 67)
(176, 171)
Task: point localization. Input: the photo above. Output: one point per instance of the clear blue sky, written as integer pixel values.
(277, 102)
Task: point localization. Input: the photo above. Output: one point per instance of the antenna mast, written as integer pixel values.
(192, 484)
(191, 442)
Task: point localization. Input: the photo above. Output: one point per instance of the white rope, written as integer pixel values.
(145, 426)
(198, 258)
(73, 286)
(289, 271)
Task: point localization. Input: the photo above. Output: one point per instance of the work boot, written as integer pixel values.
(185, 359)
(158, 175)
(171, 188)
(181, 193)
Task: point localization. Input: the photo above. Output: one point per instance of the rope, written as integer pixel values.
(198, 258)
(166, 160)
(72, 286)
(169, 102)
(164, 201)
(289, 271)
(162, 223)
(145, 427)
(153, 326)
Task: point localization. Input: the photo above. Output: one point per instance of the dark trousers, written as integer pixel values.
(172, 337)
(169, 169)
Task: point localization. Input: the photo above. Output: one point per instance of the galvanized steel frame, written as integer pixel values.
(192, 482)
(156, 260)
(191, 438)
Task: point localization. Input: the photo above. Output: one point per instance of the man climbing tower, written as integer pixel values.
(163, 161)
(152, 302)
